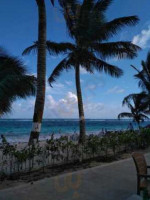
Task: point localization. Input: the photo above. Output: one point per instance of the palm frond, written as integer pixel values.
(102, 5)
(135, 68)
(70, 10)
(111, 28)
(139, 100)
(112, 70)
(11, 65)
(139, 106)
(144, 75)
(134, 97)
(5, 106)
(125, 115)
(148, 60)
(52, 2)
(53, 48)
(65, 64)
(116, 49)
(31, 49)
(56, 48)
(143, 117)
(26, 86)
(90, 62)
(14, 82)
(85, 10)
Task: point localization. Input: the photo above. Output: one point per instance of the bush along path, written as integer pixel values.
(63, 153)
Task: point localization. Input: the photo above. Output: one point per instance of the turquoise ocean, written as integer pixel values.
(18, 130)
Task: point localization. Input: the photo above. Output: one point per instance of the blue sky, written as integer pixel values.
(102, 94)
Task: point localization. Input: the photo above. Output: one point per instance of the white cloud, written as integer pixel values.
(22, 108)
(142, 39)
(110, 111)
(69, 83)
(115, 90)
(91, 87)
(93, 108)
(62, 108)
(61, 103)
(58, 85)
(66, 107)
(83, 71)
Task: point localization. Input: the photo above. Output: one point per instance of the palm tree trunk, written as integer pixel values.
(41, 73)
(139, 125)
(80, 105)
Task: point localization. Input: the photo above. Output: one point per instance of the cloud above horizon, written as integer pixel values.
(115, 90)
(142, 39)
(61, 101)
(66, 107)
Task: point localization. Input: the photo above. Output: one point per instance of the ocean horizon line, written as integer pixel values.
(69, 119)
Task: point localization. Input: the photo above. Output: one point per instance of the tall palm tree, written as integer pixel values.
(14, 81)
(41, 68)
(88, 27)
(41, 72)
(138, 109)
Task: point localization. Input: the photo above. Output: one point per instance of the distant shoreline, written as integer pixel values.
(18, 130)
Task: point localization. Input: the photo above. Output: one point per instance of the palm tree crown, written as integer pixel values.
(137, 107)
(14, 81)
(144, 75)
(89, 29)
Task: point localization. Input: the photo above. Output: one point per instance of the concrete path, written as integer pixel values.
(116, 181)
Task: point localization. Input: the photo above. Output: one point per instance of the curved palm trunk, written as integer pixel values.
(41, 73)
(80, 105)
(139, 125)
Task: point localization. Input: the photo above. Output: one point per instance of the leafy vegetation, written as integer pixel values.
(139, 103)
(64, 151)
(14, 81)
(138, 108)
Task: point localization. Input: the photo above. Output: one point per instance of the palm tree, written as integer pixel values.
(41, 68)
(87, 25)
(144, 75)
(89, 29)
(138, 109)
(14, 81)
(41, 72)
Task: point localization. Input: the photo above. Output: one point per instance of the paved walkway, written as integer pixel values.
(116, 181)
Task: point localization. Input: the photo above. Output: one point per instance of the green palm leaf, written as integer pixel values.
(53, 48)
(116, 49)
(65, 64)
(14, 82)
(102, 66)
(125, 115)
(111, 28)
(52, 1)
(31, 49)
(70, 10)
(102, 5)
(144, 75)
(138, 107)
